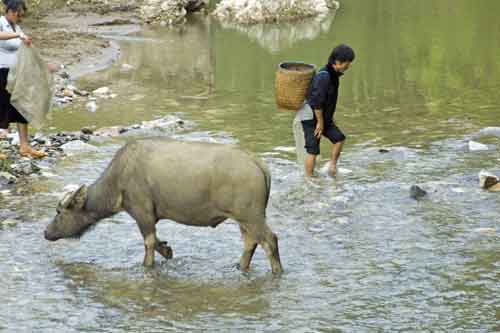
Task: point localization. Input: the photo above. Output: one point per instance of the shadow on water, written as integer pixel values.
(156, 293)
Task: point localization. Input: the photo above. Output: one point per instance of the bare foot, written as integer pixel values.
(30, 152)
(3, 157)
(332, 171)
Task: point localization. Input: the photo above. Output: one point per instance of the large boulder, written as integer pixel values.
(259, 11)
(169, 12)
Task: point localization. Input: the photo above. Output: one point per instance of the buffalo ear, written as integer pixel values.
(79, 198)
(64, 203)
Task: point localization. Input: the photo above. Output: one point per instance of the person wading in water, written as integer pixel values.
(317, 114)
(11, 37)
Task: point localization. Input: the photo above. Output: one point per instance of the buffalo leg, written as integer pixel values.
(146, 222)
(270, 245)
(249, 249)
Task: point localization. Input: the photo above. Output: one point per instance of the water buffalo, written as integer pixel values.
(193, 183)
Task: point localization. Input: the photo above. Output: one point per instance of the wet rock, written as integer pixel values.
(7, 178)
(476, 146)
(68, 93)
(101, 91)
(165, 123)
(487, 180)
(417, 192)
(87, 131)
(169, 12)
(493, 131)
(85, 138)
(78, 146)
(126, 68)
(82, 93)
(109, 131)
(24, 167)
(13, 138)
(10, 222)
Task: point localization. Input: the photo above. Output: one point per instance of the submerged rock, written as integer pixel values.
(417, 192)
(78, 146)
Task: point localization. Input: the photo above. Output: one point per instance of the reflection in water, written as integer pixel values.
(278, 37)
(156, 293)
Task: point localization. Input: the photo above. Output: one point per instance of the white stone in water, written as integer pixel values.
(101, 91)
(126, 67)
(494, 131)
(78, 146)
(91, 106)
(285, 149)
(71, 188)
(476, 146)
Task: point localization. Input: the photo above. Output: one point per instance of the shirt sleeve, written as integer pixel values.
(13, 44)
(319, 90)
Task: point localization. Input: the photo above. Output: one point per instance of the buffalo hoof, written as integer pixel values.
(164, 250)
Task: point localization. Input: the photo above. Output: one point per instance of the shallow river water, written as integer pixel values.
(359, 254)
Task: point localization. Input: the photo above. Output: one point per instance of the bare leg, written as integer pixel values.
(249, 249)
(310, 162)
(336, 150)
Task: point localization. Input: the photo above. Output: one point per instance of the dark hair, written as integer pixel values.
(341, 53)
(14, 5)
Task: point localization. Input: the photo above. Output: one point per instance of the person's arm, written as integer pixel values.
(320, 123)
(5, 35)
(317, 98)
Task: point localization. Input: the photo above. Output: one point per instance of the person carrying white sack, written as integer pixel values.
(11, 39)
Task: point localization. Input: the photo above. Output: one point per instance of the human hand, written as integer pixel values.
(27, 40)
(53, 68)
(319, 130)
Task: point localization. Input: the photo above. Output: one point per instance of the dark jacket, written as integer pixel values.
(323, 92)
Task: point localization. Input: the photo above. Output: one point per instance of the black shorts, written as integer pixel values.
(332, 132)
(8, 113)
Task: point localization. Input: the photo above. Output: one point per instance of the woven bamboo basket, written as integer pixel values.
(292, 82)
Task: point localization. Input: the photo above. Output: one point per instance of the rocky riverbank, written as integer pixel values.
(18, 169)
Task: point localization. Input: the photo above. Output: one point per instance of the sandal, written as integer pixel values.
(30, 152)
